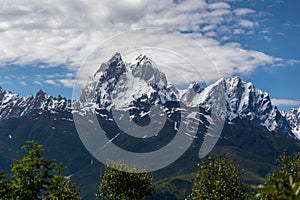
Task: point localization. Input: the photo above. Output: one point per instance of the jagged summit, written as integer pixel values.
(146, 69)
(243, 100)
(293, 117)
(195, 95)
(246, 101)
(41, 95)
(196, 87)
(117, 83)
(115, 58)
(13, 106)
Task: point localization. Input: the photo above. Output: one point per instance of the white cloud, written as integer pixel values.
(238, 31)
(64, 32)
(209, 27)
(23, 83)
(211, 34)
(52, 76)
(69, 83)
(219, 5)
(37, 82)
(51, 82)
(243, 11)
(247, 23)
(285, 102)
(70, 75)
(225, 37)
(293, 25)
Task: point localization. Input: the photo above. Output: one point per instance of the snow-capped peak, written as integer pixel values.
(293, 117)
(195, 95)
(11, 105)
(118, 84)
(146, 69)
(243, 100)
(41, 95)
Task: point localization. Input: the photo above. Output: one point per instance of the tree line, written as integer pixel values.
(32, 178)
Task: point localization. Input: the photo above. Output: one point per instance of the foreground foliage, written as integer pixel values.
(120, 182)
(218, 178)
(284, 183)
(33, 177)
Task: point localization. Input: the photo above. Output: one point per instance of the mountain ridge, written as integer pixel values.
(113, 85)
(12, 105)
(141, 81)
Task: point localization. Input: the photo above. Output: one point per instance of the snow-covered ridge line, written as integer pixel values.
(121, 84)
(293, 117)
(12, 105)
(243, 100)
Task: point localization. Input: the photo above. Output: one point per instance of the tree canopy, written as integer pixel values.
(284, 183)
(33, 177)
(121, 182)
(218, 179)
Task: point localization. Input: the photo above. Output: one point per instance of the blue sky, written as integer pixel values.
(44, 44)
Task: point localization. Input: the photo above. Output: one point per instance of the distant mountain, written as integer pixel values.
(139, 85)
(293, 117)
(245, 101)
(13, 106)
(121, 84)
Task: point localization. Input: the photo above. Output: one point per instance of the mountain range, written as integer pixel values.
(141, 81)
(255, 132)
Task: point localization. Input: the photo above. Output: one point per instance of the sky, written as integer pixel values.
(45, 43)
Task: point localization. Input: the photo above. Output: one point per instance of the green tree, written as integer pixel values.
(3, 183)
(218, 178)
(284, 183)
(36, 178)
(288, 166)
(121, 182)
(5, 187)
(62, 188)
